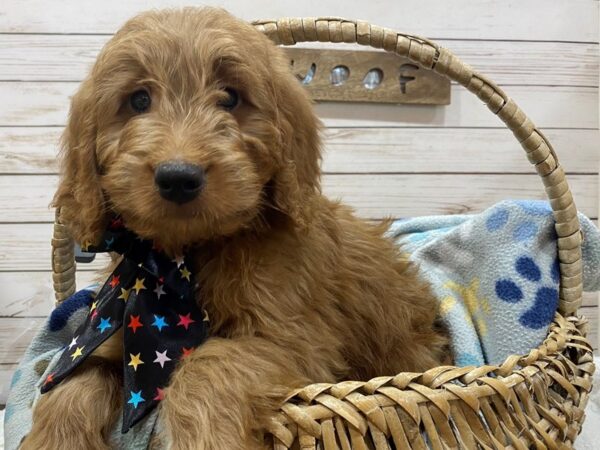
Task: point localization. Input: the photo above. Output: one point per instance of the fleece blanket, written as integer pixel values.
(495, 275)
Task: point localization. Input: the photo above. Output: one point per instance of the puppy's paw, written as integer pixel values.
(78, 413)
(223, 395)
(202, 424)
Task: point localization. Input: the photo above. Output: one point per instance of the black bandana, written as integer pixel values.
(152, 297)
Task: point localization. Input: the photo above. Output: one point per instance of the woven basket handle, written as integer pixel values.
(289, 31)
(427, 54)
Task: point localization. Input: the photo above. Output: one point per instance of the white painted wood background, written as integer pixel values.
(385, 160)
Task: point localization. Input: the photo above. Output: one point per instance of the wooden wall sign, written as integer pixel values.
(366, 76)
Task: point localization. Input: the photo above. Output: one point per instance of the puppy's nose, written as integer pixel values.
(179, 182)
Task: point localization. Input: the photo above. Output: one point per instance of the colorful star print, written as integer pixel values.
(185, 321)
(159, 290)
(136, 398)
(114, 281)
(185, 273)
(134, 323)
(124, 294)
(104, 324)
(77, 353)
(154, 301)
(116, 223)
(161, 358)
(49, 379)
(73, 342)
(160, 394)
(93, 311)
(179, 261)
(139, 285)
(159, 322)
(135, 361)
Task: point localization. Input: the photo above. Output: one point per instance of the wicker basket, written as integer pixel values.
(530, 401)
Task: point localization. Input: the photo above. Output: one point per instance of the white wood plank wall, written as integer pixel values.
(385, 160)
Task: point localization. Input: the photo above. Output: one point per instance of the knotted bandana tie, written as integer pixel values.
(152, 297)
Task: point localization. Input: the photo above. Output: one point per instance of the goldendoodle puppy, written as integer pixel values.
(297, 288)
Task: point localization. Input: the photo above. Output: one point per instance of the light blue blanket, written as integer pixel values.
(495, 275)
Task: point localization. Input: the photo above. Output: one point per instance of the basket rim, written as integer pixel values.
(443, 384)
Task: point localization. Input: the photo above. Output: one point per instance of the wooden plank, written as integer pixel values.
(548, 107)
(590, 299)
(376, 196)
(46, 103)
(575, 20)
(362, 150)
(26, 198)
(29, 150)
(26, 247)
(17, 332)
(456, 150)
(35, 104)
(33, 57)
(31, 294)
(373, 195)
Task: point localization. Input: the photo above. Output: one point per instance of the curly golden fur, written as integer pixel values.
(298, 289)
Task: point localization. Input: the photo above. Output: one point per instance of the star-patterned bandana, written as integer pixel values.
(152, 297)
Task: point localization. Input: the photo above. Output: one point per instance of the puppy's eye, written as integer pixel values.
(140, 101)
(231, 101)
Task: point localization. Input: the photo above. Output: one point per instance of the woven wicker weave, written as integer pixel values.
(530, 401)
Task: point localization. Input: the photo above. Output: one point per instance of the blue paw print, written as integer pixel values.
(535, 207)
(497, 220)
(542, 311)
(526, 229)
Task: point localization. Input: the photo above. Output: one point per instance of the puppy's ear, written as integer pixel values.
(79, 195)
(298, 177)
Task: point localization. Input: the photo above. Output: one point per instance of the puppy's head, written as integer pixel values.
(191, 126)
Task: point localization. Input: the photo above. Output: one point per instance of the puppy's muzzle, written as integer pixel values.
(178, 181)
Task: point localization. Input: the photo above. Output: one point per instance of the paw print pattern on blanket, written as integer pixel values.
(546, 297)
(526, 229)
